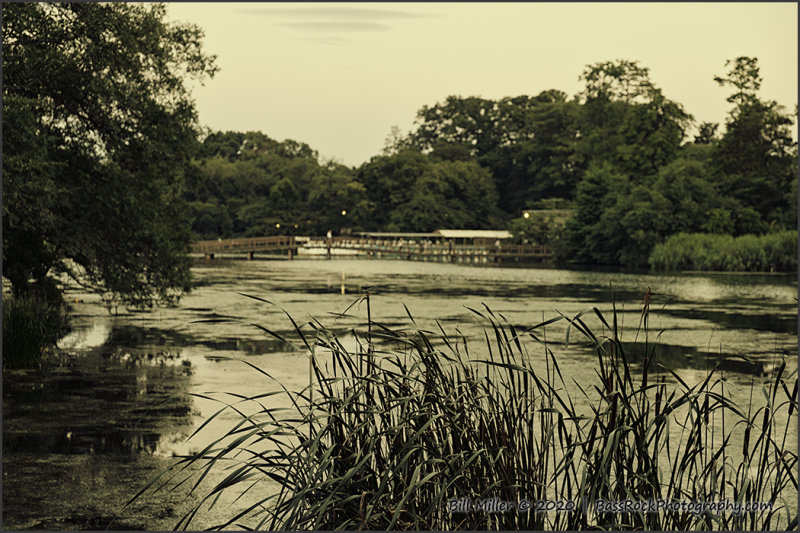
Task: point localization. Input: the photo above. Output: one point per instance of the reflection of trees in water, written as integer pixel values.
(740, 320)
(674, 357)
(169, 340)
(98, 404)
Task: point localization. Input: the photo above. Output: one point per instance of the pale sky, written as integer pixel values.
(338, 76)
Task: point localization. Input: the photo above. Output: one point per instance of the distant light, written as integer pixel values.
(295, 226)
(277, 225)
(344, 212)
(526, 214)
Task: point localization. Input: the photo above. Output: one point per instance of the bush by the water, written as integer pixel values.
(30, 325)
(404, 422)
(771, 252)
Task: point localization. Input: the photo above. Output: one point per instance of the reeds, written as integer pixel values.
(771, 252)
(397, 423)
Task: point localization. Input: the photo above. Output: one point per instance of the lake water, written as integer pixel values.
(80, 439)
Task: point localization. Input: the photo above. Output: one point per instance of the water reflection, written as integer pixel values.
(98, 403)
(676, 357)
(84, 338)
(124, 392)
(157, 338)
(741, 319)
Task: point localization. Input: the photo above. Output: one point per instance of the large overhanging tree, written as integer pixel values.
(98, 125)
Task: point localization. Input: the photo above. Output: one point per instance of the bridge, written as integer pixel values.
(442, 250)
(248, 245)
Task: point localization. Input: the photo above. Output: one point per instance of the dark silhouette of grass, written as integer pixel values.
(389, 431)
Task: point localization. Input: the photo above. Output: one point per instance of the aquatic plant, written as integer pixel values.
(398, 426)
(771, 252)
(31, 326)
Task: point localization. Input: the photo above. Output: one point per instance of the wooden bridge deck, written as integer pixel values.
(441, 251)
(248, 245)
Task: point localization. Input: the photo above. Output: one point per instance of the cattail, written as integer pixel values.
(613, 412)
(746, 443)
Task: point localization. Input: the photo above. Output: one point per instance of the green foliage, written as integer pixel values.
(542, 163)
(448, 194)
(209, 219)
(418, 192)
(333, 191)
(99, 124)
(388, 181)
(771, 252)
(31, 326)
(585, 231)
(755, 160)
(744, 76)
(389, 431)
(626, 120)
(537, 228)
(651, 186)
(526, 142)
(621, 80)
(256, 186)
(651, 135)
(617, 151)
(707, 133)
(468, 122)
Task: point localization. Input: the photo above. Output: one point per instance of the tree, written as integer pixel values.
(744, 76)
(543, 164)
(627, 121)
(651, 135)
(706, 133)
(621, 80)
(595, 195)
(412, 191)
(535, 229)
(756, 158)
(448, 194)
(526, 142)
(469, 122)
(394, 141)
(388, 181)
(335, 190)
(99, 126)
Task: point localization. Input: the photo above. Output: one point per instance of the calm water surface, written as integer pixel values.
(80, 439)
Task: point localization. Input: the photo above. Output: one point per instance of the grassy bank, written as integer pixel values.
(771, 252)
(403, 422)
(31, 326)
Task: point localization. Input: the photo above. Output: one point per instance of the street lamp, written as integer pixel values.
(344, 212)
(526, 214)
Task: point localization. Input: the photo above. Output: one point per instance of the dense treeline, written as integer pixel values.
(248, 184)
(618, 153)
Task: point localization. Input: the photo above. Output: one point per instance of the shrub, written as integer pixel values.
(30, 326)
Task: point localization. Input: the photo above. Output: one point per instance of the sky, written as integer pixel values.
(338, 76)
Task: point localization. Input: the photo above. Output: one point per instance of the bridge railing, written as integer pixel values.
(415, 247)
(247, 244)
(254, 244)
